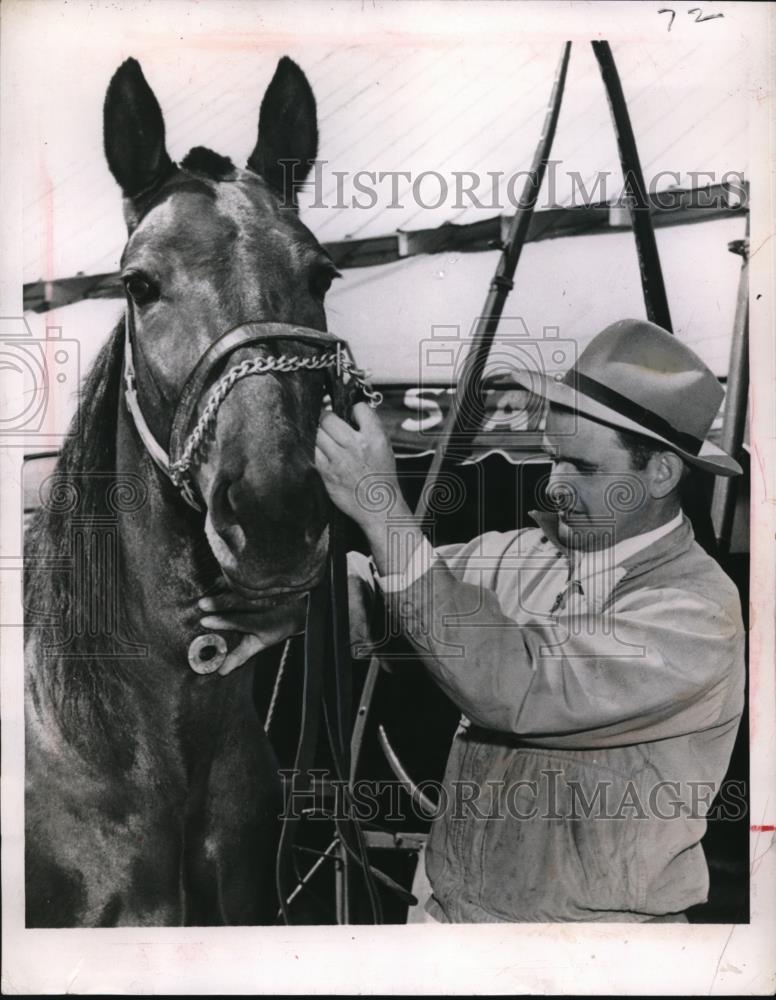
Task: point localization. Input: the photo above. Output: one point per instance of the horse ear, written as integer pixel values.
(287, 143)
(133, 132)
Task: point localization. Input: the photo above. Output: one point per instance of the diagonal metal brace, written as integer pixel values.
(418, 797)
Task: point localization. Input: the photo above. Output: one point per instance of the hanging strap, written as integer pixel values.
(327, 688)
(466, 412)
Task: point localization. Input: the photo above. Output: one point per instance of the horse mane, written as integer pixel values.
(78, 661)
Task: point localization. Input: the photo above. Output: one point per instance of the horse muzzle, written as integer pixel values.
(267, 574)
(271, 593)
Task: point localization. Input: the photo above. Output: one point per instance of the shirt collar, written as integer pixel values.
(619, 552)
(628, 547)
(598, 573)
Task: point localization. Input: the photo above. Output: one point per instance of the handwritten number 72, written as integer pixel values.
(700, 16)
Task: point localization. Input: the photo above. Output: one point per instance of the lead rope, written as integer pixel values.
(276, 688)
(286, 874)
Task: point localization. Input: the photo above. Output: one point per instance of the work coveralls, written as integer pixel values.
(596, 730)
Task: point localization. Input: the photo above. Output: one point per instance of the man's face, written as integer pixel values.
(603, 499)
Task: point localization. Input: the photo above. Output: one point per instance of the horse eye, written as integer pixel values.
(140, 288)
(321, 280)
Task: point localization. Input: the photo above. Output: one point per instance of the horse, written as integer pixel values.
(152, 792)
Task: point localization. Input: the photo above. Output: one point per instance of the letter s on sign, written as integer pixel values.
(415, 400)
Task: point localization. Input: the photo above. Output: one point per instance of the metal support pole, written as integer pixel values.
(655, 298)
(723, 505)
(465, 416)
(362, 716)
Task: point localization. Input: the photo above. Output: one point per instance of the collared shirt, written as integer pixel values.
(627, 548)
(594, 574)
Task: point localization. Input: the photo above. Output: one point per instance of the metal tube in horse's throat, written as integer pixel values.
(207, 653)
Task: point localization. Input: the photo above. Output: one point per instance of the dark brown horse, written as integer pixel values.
(152, 791)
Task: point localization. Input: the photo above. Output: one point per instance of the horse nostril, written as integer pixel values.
(223, 508)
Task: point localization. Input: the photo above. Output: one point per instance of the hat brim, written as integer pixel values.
(710, 458)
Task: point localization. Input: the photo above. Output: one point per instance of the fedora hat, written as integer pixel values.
(635, 376)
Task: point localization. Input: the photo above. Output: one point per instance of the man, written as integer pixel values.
(597, 659)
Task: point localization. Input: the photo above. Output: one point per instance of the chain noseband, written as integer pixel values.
(345, 368)
(186, 446)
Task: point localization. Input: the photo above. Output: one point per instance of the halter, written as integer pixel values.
(185, 446)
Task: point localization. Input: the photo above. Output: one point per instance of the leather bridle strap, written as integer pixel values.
(151, 445)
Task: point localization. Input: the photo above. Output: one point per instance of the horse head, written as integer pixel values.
(212, 247)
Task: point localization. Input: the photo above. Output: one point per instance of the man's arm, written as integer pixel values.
(639, 675)
(643, 674)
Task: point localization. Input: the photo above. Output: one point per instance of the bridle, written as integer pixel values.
(346, 382)
(327, 672)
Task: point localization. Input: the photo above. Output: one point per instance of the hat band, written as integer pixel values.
(633, 411)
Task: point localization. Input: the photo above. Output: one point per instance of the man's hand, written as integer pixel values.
(357, 466)
(359, 472)
(225, 611)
